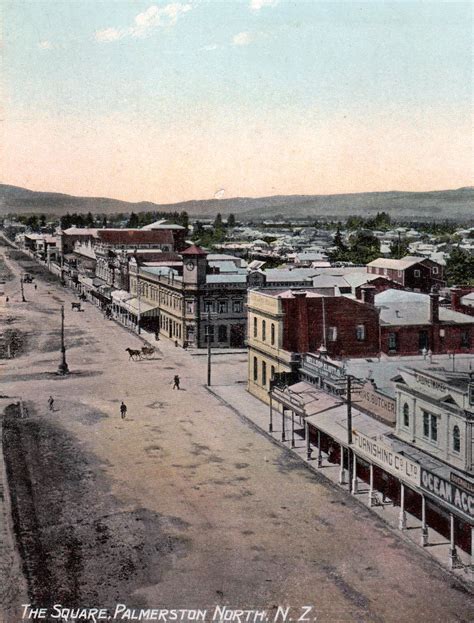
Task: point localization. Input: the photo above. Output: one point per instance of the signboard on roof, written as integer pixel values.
(386, 458)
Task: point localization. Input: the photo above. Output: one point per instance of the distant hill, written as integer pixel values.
(436, 205)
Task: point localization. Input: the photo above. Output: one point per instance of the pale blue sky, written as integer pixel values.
(235, 62)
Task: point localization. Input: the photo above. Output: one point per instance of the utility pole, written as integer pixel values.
(63, 367)
(23, 300)
(349, 429)
(209, 349)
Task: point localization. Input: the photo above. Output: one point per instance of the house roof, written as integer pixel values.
(162, 225)
(406, 262)
(193, 250)
(80, 231)
(399, 307)
(135, 236)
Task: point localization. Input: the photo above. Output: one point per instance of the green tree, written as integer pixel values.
(32, 223)
(218, 222)
(90, 220)
(133, 220)
(43, 220)
(198, 230)
(364, 247)
(184, 220)
(104, 222)
(460, 267)
(399, 248)
(231, 220)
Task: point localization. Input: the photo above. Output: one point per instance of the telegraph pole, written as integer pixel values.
(209, 349)
(63, 367)
(23, 300)
(349, 428)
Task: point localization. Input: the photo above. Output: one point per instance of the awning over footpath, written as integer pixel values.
(134, 305)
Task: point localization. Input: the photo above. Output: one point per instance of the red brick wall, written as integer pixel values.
(303, 326)
(408, 339)
(380, 284)
(456, 296)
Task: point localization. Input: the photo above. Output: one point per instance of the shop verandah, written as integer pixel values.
(376, 465)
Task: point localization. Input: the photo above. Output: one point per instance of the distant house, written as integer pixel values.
(412, 272)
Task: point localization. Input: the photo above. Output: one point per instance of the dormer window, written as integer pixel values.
(406, 415)
(456, 439)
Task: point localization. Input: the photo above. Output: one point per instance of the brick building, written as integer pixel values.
(413, 273)
(412, 322)
(284, 324)
(462, 299)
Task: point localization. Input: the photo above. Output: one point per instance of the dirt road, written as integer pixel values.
(182, 504)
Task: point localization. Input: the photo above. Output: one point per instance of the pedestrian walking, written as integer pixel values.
(51, 403)
(123, 410)
(176, 382)
(36, 287)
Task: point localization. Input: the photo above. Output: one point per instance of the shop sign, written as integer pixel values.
(448, 492)
(386, 458)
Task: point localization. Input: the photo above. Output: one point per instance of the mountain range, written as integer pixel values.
(457, 204)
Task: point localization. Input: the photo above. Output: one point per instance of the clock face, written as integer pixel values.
(190, 265)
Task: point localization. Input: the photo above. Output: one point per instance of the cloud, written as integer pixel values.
(243, 38)
(256, 5)
(45, 45)
(109, 34)
(210, 47)
(145, 23)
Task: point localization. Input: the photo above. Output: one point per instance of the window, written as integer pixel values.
(272, 334)
(406, 415)
(272, 377)
(222, 332)
(264, 373)
(392, 341)
(434, 428)
(209, 333)
(189, 307)
(255, 327)
(456, 439)
(423, 341)
(417, 273)
(360, 332)
(236, 307)
(207, 306)
(465, 339)
(426, 425)
(332, 334)
(255, 369)
(222, 307)
(264, 330)
(430, 426)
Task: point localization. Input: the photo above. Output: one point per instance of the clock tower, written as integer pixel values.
(194, 265)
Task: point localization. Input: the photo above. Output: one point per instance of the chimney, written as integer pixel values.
(368, 294)
(434, 307)
(301, 320)
(456, 294)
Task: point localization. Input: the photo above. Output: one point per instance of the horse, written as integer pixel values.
(134, 354)
(76, 306)
(147, 351)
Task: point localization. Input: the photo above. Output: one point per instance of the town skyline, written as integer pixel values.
(168, 102)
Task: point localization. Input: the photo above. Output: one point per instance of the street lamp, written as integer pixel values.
(209, 318)
(63, 367)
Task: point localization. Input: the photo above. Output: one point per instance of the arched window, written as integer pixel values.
(456, 439)
(255, 329)
(406, 415)
(264, 330)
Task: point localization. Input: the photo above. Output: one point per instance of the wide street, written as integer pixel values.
(182, 504)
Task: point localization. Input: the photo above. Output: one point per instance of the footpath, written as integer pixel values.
(254, 412)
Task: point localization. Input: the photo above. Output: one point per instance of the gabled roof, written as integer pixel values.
(193, 250)
(404, 263)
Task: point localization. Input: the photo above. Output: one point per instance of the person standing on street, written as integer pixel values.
(123, 410)
(51, 403)
(176, 382)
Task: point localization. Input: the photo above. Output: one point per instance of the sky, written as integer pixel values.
(171, 101)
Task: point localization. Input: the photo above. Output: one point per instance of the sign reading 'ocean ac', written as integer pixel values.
(446, 491)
